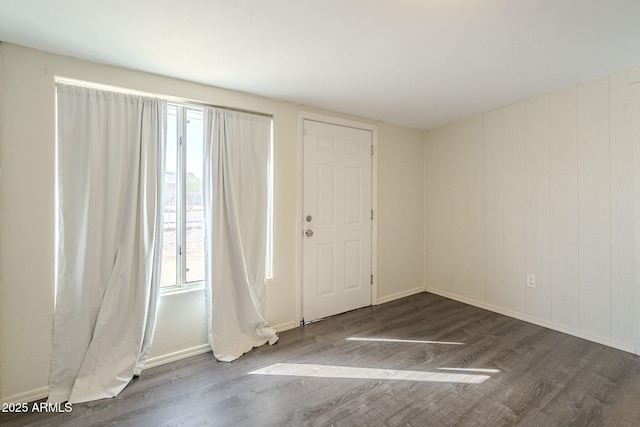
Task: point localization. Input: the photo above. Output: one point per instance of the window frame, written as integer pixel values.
(181, 285)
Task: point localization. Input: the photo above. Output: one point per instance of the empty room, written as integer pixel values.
(407, 213)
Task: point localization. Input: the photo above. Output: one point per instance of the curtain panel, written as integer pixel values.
(236, 162)
(110, 151)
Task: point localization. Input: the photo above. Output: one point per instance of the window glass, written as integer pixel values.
(169, 243)
(194, 238)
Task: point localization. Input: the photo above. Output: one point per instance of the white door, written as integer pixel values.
(337, 220)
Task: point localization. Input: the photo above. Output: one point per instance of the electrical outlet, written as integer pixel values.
(531, 280)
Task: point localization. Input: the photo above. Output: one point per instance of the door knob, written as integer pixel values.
(309, 233)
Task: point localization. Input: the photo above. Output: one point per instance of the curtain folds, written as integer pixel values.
(110, 152)
(236, 161)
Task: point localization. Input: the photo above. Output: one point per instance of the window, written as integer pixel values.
(183, 260)
(183, 244)
(183, 251)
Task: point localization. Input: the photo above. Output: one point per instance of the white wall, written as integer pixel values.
(550, 187)
(27, 213)
(400, 180)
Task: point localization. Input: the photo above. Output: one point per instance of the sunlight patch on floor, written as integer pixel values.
(483, 370)
(330, 371)
(404, 341)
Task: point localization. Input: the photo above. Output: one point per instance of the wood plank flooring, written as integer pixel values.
(512, 373)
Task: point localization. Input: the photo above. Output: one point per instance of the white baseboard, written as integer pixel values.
(399, 295)
(29, 396)
(201, 349)
(177, 355)
(285, 326)
(534, 320)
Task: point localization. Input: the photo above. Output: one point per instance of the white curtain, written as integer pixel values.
(110, 152)
(237, 157)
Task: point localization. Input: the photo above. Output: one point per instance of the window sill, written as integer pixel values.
(174, 290)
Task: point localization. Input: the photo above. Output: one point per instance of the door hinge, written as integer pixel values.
(372, 150)
(371, 214)
(372, 280)
(180, 142)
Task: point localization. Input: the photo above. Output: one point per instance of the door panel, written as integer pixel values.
(337, 211)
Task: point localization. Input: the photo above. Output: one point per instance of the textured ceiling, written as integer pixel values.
(418, 63)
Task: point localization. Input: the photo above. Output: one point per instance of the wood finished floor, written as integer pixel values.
(536, 377)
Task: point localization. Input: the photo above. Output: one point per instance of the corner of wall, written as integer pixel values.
(425, 248)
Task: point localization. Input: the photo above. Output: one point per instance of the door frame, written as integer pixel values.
(305, 115)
